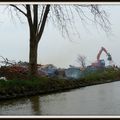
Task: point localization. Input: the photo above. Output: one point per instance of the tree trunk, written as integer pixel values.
(35, 36)
(33, 57)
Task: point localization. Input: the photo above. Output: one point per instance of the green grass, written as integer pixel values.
(103, 75)
(35, 84)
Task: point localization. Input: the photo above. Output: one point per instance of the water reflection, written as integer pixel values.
(35, 105)
(53, 104)
(15, 106)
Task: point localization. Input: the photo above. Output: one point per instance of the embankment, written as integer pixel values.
(36, 86)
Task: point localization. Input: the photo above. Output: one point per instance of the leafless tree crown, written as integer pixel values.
(63, 16)
(82, 61)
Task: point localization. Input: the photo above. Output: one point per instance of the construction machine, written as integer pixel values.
(101, 62)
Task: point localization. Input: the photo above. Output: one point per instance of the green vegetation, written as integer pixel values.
(33, 86)
(102, 76)
(42, 85)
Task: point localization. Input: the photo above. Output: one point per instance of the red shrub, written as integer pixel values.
(11, 72)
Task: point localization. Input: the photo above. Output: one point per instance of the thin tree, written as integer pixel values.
(82, 61)
(61, 15)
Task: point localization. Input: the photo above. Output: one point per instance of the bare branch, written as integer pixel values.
(7, 62)
(35, 17)
(41, 17)
(43, 22)
(18, 9)
(29, 17)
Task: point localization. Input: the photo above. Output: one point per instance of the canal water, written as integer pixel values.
(99, 100)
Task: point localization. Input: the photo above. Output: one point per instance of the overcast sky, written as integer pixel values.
(53, 48)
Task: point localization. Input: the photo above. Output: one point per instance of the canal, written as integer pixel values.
(101, 99)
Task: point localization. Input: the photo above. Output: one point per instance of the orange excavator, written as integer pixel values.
(101, 62)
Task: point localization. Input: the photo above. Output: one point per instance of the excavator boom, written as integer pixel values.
(100, 63)
(102, 49)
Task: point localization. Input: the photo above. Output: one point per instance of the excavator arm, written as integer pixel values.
(102, 49)
(108, 54)
(99, 62)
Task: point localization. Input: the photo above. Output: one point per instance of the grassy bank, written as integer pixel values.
(18, 88)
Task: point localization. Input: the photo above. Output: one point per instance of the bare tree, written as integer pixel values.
(61, 15)
(82, 61)
(36, 28)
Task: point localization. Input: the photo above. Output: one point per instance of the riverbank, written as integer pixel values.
(37, 86)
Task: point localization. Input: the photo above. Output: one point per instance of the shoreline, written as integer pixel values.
(77, 84)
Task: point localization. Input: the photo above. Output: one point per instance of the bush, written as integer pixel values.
(103, 75)
(13, 72)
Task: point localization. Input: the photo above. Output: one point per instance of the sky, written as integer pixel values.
(53, 48)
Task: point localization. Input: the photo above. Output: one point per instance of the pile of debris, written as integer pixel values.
(21, 69)
(47, 70)
(73, 73)
(11, 72)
